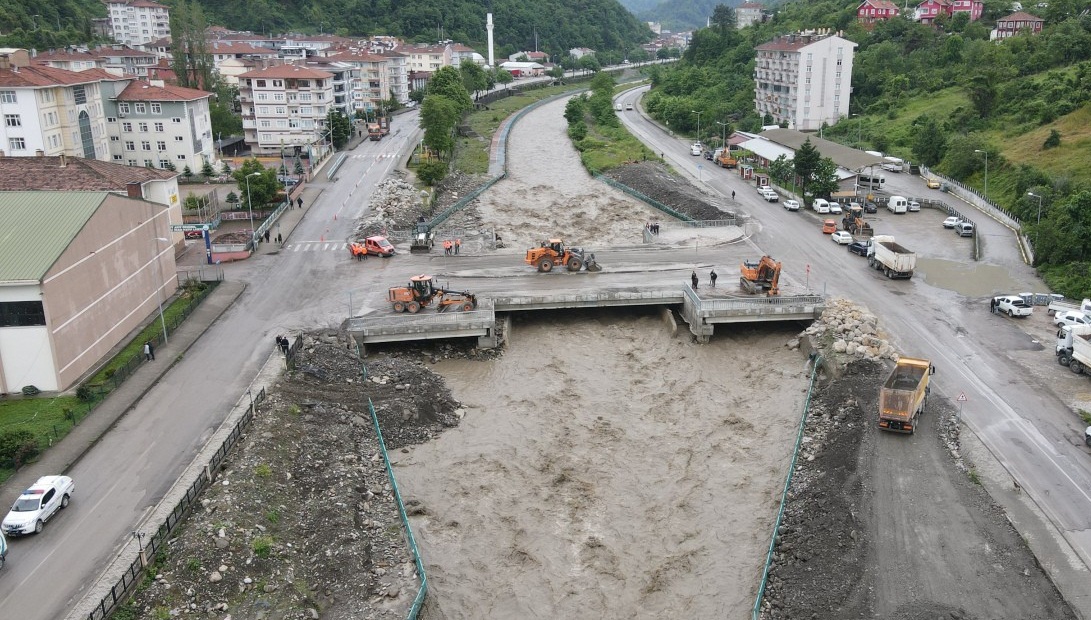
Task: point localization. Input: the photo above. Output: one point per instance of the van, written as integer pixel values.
(820, 205)
(868, 181)
(897, 204)
(965, 229)
(892, 164)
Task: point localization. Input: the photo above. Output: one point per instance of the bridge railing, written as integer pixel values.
(444, 321)
(745, 303)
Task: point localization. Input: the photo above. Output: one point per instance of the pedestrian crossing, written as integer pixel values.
(316, 246)
(373, 156)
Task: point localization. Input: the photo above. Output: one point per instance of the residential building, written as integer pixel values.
(748, 14)
(345, 78)
(224, 51)
(285, 106)
(88, 256)
(136, 22)
(53, 111)
(70, 59)
(371, 81)
(580, 52)
(430, 58)
(460, 53)
(118, 59)
(1016, 23)
(539, 57)
(871, 11)
(804, 80)
(158, 125)
(927, 11)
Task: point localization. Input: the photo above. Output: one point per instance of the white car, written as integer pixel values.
(771, 195)
(1012, 305)
(696, 149)
(821, 207)
(835, 208)
(38, 504)
(791, 205)
(1071, 317)
(841, 237)
(629, 106)
(952, 221)
(617, 107)
(913, 206)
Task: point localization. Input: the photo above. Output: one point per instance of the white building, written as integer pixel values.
(153, 125)
(284, 106)
(747, 14)
(136, 22)
(804, 80)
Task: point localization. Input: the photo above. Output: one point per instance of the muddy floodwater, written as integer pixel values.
(967, 278)
(607, 469)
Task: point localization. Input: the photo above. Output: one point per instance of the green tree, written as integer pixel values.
(575, 109)
(982, 93)
(187, 174)
(503, 77)
(930, 142)
(193, 65)
(299, 169)
(824, 180)
(432, 172)
(474, 78)
(207, 170)
(438, 117)
(226, 169)
(417, 94)
(1053, 141)
(806, 164)
(340, 127)
(221, 109)
(723, 17)
(447, 82)
(263, 186)
(782, 170)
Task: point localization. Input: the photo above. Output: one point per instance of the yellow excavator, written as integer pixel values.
(420, 292)
(760, 277)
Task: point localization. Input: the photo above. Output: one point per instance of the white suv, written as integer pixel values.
(38, 504)
(1012, 305)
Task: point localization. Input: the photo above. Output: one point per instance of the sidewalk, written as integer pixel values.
(62, 456)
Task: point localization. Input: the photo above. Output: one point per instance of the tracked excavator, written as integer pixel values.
(554, 252)
(421, 291)
(760, 277)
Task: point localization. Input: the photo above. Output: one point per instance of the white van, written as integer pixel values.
(820, 205)
(892, 164)
(897, 204)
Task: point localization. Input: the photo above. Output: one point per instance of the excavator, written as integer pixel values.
(554, 252)
(421, 291)
(855, 224)
(761, 276)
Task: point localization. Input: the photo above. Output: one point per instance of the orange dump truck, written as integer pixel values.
(903, 395)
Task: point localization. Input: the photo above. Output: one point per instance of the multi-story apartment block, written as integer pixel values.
(430, 58)
(136, 22)
(53, 111)
(374, 80)
(159, 126)
(804, 80)
(748, 14)
(285, 106)
(115, 58)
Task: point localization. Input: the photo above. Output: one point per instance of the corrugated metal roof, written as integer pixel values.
(36, 227)
(844, 156)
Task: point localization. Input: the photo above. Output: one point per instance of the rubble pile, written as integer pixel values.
(395, 205)
(656, 181)
(850, 330)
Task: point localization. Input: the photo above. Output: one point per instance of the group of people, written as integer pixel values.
(283, 344)
(652, 227)
(711, 278)
(149, 351)
(452, 247)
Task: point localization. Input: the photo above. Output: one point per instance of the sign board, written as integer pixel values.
(187, 227)
(961, 397)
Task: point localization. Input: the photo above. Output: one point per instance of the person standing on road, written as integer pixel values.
(693, 278)
(149, 353)
(299, 202)
(458, 245)
(712, 277)
(733, 194)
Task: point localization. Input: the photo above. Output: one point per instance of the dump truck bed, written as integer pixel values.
(902, 396)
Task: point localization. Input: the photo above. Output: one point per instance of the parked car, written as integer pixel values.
(629, 107)
(952, 221)
(696, 149)
(617, 107)
(835, 208)
(913, 206)
(829, 227)
(4, 544)
(771, 195)
(841, 237)
(1071, 317)
(820, 206)
(965, 229)
(1012, 305)
(38, 504)
(287, 181)
(871, 207)
(791, 205)
(859, 248)
(708, 155)
(194, 234)
(932, 183)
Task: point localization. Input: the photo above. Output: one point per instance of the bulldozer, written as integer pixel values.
(421, 291)
(554, 252)
(855, 224)
(760, 277)
(423, 238)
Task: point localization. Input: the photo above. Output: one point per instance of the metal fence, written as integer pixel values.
(756, 611)
(651, 201)
(127, 583)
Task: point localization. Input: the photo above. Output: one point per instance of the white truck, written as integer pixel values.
(894, 260)
(1062, 305)
(893, 164)
(1080, 361)
(1065, 336)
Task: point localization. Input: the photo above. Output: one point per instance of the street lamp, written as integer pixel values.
(723, 134)
(159, 289)
(698, 125)
(859, 130)
(986, 172)
(1033, 195)
(250, 207)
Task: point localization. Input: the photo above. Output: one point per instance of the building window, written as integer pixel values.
(12, 120)
(109, 119)
(143, 127)
(115, 139)
(7, 96)
(17, 144)
(146, 145)
(21, 313)
(157, 108)
(130, 145)
(80, 94)
(263, 110)
(176, 120)
(148, 163)
(260, 84)
(141, 108)
(161, 145)
(118, 158)
(281, 110)
(182, 157)
(159, 127)
(278, 83)
(126, 127)
(123, 108)
(163, 163)
(263, 96)
(178, 138)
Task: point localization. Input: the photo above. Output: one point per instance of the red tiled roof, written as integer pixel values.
(45, 173)
(354, 57)
(1020, 16)
(36, 75)
(784, 44)
(239, 47)
(288, 72)
(880, 4)
(123, 50)
(143, 91)
(62, 54)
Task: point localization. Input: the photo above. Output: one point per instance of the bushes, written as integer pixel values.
(17, 447)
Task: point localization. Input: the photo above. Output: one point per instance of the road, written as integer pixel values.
(940, 314)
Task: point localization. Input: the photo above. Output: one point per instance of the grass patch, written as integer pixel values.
(272, 516)
(1086, 417)
(609, 147)
(262, 546)
(974, 478)
(263, 471)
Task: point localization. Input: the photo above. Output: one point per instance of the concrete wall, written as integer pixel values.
(26, 357)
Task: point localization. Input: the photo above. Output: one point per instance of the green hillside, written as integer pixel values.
(44, 25)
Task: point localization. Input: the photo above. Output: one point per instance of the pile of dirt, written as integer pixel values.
(395, 205)
(847, 331)
(656, 181)
(301, 520)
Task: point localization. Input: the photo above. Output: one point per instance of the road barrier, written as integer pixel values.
(651, 201)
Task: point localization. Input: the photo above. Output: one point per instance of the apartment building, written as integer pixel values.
(748, 14)
(285, 106)
(155, 125)
(137, 22)
(117, 58)
(430, 58)
(804, 80)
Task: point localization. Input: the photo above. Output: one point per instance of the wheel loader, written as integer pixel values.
(421, 291)
(761, 276)
(554, 252)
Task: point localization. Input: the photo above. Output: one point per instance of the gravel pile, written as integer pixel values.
(654, 180)
(395, 205)
(848, 330)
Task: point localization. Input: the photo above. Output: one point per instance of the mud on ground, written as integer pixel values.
(300, 521)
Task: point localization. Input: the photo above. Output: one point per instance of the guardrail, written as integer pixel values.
(647, 199)
(336, 165)
(120, 592)
(744, 303)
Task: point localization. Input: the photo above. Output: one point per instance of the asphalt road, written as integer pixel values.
(1027, 427)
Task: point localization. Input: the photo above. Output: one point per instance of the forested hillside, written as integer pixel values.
(940, 96)
(681, 15)
(42, 25)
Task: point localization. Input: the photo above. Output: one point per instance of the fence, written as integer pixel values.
(133, 574)
(651, 201)
(784, 493)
